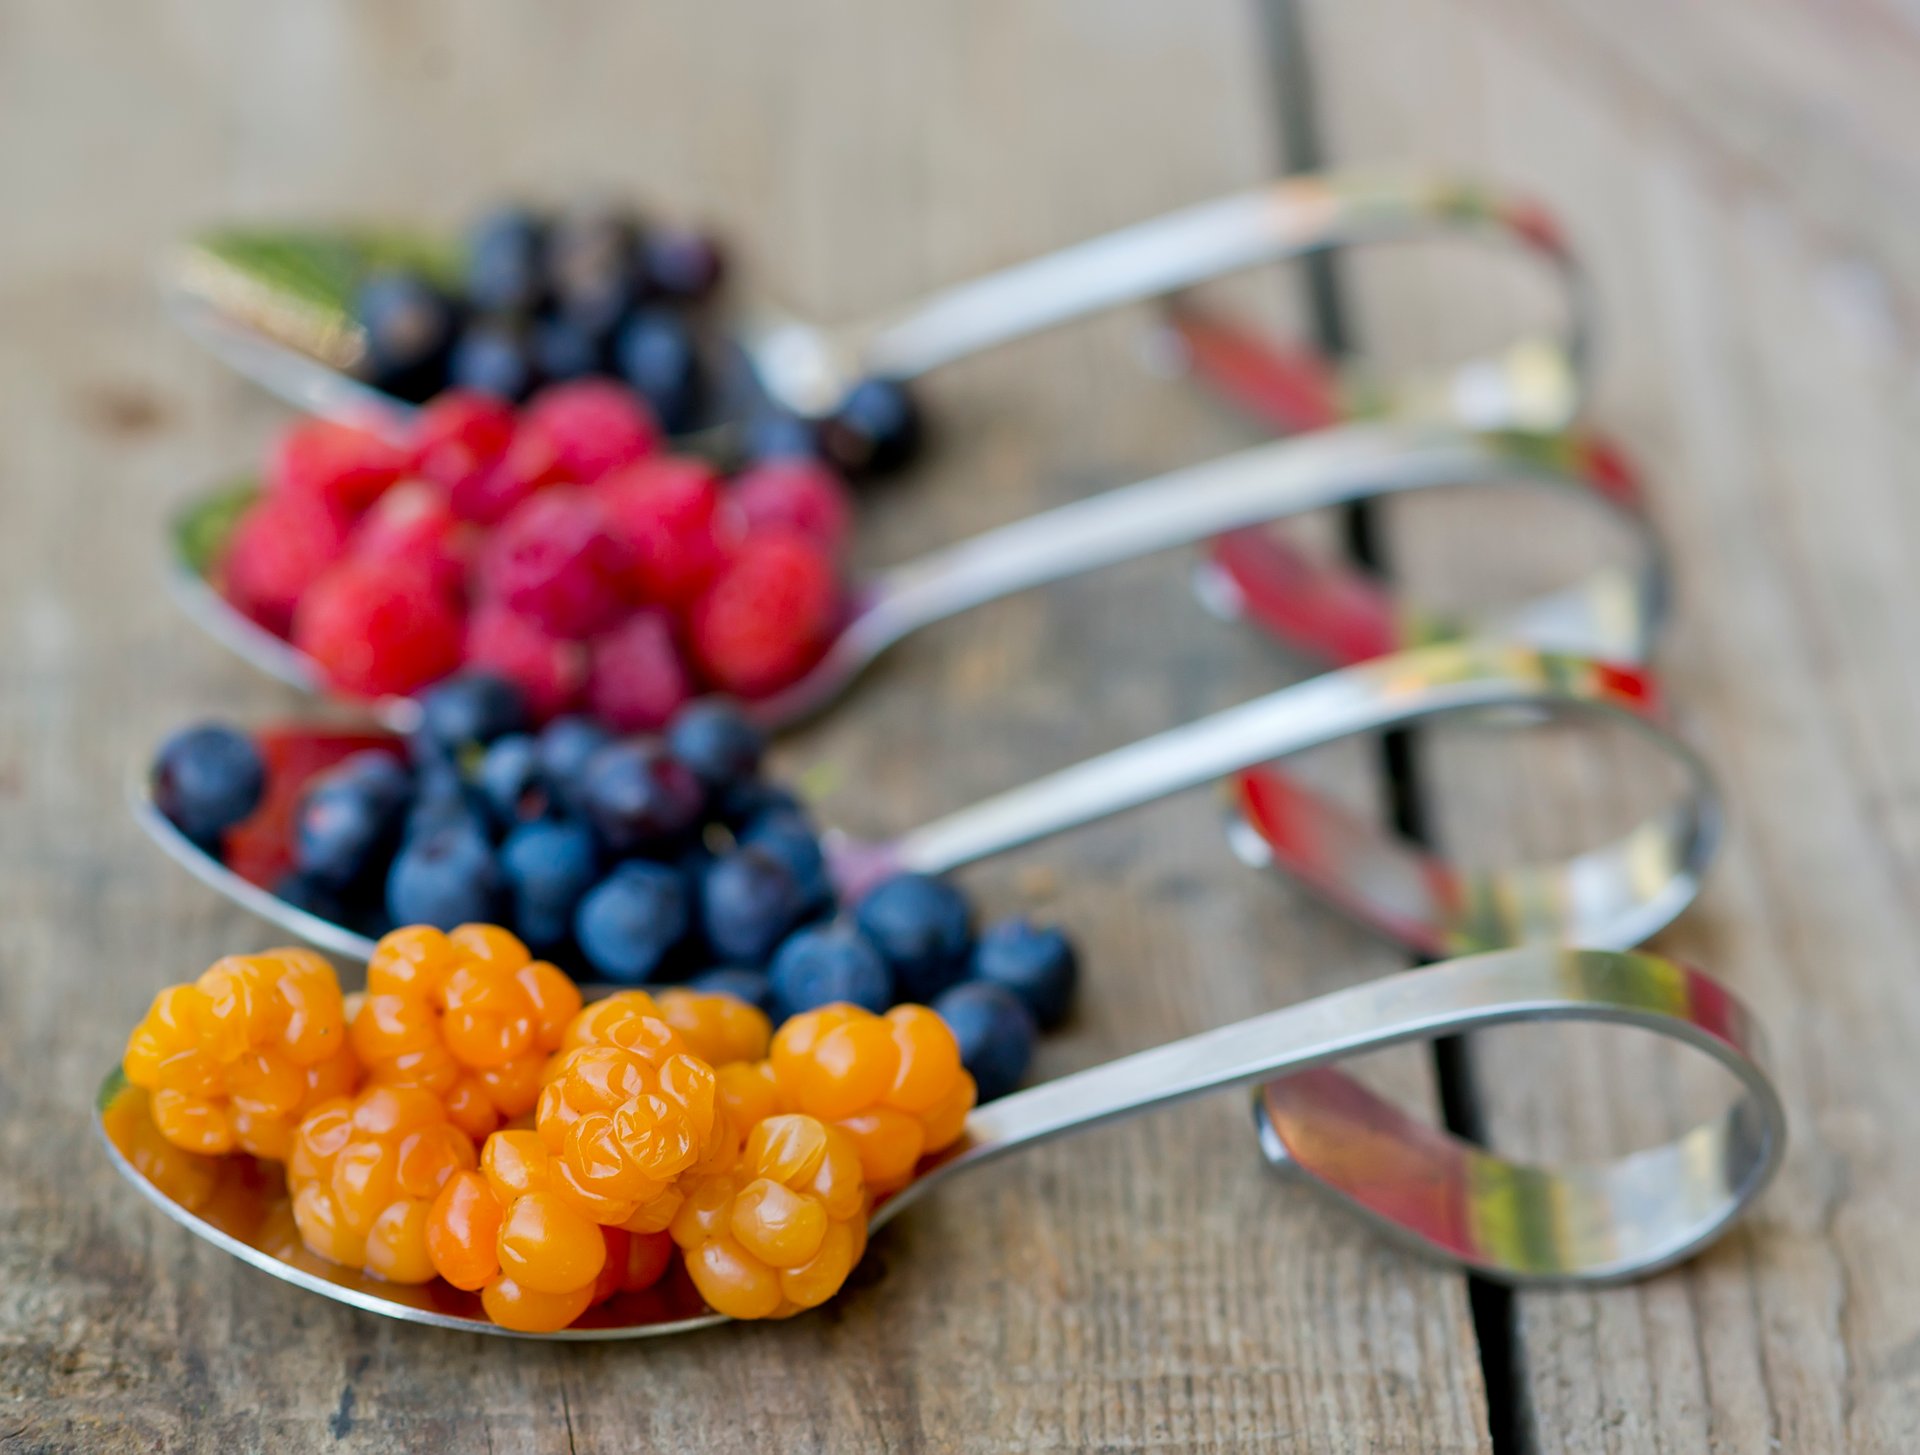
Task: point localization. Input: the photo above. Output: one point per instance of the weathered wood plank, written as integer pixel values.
(1146, 1285)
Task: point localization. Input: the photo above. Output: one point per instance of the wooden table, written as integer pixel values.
(1740, 180)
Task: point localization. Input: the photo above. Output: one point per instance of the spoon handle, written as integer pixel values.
(1595, 1221)
(1180, 250)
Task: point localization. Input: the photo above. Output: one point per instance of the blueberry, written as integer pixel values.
(748, 903)
(876, 430)
(752, 986)
(323, 901)
(445, 877)
(629, 923)
(923, 928)
(563, 348)
(348, 819)
(639, 797)
(565, 745)
(494, 356)
(504, 254)
(740, 804)
(470, 710)
(657, 355)
(1035, 962)
(791, 839)
(828, 963)
(590, 256)
(511, 782)
(441, 797)
(995, 1033)
(716, 740)
(775, 435)
(549, 866)
(206, 779)
(409, 325)
(681, 263)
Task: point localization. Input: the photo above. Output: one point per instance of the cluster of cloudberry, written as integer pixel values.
(468, 1118)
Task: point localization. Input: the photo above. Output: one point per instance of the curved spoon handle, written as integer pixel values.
(1591, 1222)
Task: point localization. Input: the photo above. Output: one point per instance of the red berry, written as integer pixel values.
(554, 560)
(279, 548)
(549, 671)
(412, 524)
(345, 467)
(638, 680)
(768, 617)
(668, 515)
(802, 496)
(489, 493)
(378, 629)
(591, 427)
(459, 433)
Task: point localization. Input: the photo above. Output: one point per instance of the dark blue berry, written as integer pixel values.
(470, 710)
(629, 923)
(1035, 962)
(504, 262)
(657, 355)
(995, 1032)
(923, 928)
(409, 325)
(511, 781)
(445, 877)
(207, 779)
(564, 348)
(748, 903)
(682, 264)
(348, 819)
(876, 430)
(741, 804)
(752, 986)
(828, 963)
(443, 798)
(494, 356)
(716, 740)
(775, 435)
(639, 798)
(549, 866)
(323, 901)
(565, 745)
(790, 838)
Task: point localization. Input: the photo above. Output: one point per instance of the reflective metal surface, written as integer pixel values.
(1587, 1223)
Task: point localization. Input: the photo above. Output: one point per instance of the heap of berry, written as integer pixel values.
(469, 1018)
(233, 1061)
(557, 545)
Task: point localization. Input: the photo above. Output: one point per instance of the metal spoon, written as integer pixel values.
(807, 368)
(1613, 896)
(1612, 614)
(1586, 1223)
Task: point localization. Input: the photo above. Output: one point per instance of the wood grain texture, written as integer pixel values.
(1739, 179)
(1149, 1285)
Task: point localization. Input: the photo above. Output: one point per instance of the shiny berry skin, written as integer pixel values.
(748, 903)
(377, 630)
(206, 779)
(344, 468)
(348, 818)
(469, 1017)
(459, 433)
(923, 928)
(789, 837)
(590, 427)
(636, 677)
(681, 263)
(510, 780)
(566, 743)
(471, 711)
(412, 525)
(185, 1177)
(669, 516)
(505, 270)
(489, 491)
(549, 671)
(549, 866)
(995, 1032)
(768, 617)
(823, 965)
(364, 1174)
(279, 547)
(563, 348)
(494, 356)
(719, 1029)
(233, 1060)
(446, 875)
(801, 496)
(442, 798)
(876, 430)
(657, 355)
(640, 798)
(633, 920)
(782, 1229)
(1035, 962)
(718, 742)
(409, 325)
(555, 560)
(751, 986)
(893, 1083)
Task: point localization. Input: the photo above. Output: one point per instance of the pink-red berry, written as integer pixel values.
(768, 617)
(550, 671)
(345, 468)
(377, 629)
(670, 518)
(589, 428)
(801, 496)
(555, 561)
(637, 679)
